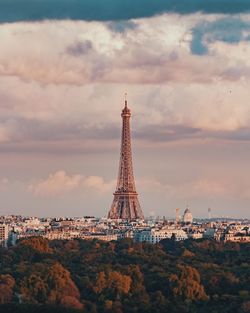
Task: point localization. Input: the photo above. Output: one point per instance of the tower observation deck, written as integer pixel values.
(125, 203)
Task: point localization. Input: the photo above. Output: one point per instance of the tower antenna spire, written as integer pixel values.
(125, 97)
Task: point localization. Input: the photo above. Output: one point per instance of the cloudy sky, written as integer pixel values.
(64, 68)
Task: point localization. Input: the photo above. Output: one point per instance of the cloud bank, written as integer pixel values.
(154, 51)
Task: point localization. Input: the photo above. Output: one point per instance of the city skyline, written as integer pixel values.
(62, 80)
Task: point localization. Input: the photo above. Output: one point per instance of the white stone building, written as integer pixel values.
(156, 235)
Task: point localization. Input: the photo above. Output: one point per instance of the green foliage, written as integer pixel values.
(93, 276)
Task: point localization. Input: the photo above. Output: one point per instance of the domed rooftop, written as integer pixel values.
(187, 216)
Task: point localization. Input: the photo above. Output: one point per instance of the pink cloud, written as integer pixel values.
(60, 183)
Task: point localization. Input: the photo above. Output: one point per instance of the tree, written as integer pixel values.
(61, 285)
(114, 282)
(7, 283)
(34, 289)
(37, 243)
(187, 284)
(50, 284)
(101, 282)
(118, 282)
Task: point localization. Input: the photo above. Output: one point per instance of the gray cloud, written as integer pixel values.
(234, 73)
(33, 135)
(242, 134)
(121, 26)
(30, 10)
(22, 129)
(80, 48)
(158, 133)
(161, 133)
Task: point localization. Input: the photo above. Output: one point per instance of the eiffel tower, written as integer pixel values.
(126, 205)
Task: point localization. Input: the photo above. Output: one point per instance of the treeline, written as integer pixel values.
(124, 277)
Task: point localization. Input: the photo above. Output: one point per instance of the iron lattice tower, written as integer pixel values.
(126, 204)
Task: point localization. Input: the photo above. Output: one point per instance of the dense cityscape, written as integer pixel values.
(151, 230)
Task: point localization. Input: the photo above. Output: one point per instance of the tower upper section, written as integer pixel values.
(126, 112)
